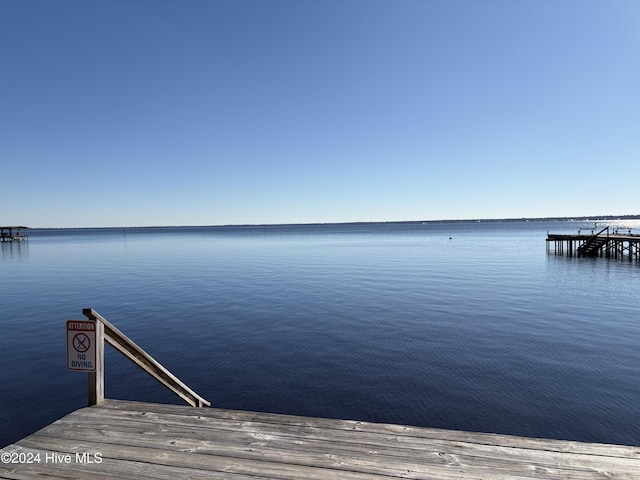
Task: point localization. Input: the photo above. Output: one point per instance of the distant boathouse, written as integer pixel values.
(10, 234)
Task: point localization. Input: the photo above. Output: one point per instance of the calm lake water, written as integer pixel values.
(483, 331)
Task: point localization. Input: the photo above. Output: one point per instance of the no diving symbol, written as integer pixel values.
(81, 342)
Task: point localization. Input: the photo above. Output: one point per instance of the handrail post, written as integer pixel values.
(96, 379)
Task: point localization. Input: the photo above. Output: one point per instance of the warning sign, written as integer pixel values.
(81, 345)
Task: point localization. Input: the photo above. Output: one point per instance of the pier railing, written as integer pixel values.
(106, 331)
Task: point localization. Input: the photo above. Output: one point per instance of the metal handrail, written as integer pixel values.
(127, 347)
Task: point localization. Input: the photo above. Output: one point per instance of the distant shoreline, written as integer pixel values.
(592, 218)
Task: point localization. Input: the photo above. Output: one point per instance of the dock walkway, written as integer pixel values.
(614, 245)
(152, 441)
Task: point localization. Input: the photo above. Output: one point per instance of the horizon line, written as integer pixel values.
(588, 218)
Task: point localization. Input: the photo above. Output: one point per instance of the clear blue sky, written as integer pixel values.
(204, 112)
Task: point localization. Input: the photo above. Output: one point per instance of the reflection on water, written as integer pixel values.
(12, 251)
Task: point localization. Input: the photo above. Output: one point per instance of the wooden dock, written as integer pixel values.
(11, 234)
(601, 244)
(126, 440)
(117, 440)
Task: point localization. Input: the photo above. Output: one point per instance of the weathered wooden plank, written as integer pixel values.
(321, 443)
(252, 433)
(328, 453)
(112, 469)
(202, 464)
(134, 408)
(184, 442)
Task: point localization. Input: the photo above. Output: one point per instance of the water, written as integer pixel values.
(379, 322)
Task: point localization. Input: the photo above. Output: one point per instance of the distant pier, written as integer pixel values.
(11, 234)
(605, 243)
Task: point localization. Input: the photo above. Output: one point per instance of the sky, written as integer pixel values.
(206, 112)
